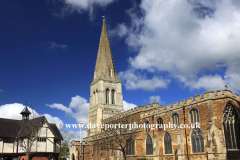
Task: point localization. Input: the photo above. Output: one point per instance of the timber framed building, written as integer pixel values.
(36, 137)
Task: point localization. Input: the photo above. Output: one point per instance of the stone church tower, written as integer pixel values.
(106, 97)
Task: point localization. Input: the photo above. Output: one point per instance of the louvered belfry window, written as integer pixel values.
(107, 96)
(175, 119)
(197, 141)
(149, 145)
(231, 127)
(113, 96)
(194, 116)
(168, 143)
(130, 147)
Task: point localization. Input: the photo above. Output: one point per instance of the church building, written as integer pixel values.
(205, 127)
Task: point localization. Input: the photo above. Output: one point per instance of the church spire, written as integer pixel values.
(105, 69)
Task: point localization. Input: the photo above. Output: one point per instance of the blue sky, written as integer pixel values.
(164, 50)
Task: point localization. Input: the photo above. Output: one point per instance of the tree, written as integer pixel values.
(64, 150)
(119, 137)
(67, 136)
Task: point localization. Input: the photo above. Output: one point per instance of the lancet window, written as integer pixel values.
(149, 145)
(113, 96)
(194, 116)
(197, 141)
(160, 124)
(107, 96)
(130, 147)
(175, 119)
(167, 143)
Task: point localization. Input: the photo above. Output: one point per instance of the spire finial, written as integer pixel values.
(26, 103)
(103, 18)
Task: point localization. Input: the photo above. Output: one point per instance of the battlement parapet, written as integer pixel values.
(142, 107)
(169, 106)
(149, 106)
(189, 100)
(218, 92)
(209, 94)
(155, 108)
(227, 92)
(198, 97)
(155, 105)
(175, 104)
(182, 102)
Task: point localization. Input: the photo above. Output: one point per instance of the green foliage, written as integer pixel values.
(64, 150)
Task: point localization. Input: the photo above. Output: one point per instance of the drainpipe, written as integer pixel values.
(185, 131)
(153, 123)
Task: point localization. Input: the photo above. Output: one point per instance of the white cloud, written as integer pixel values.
(153, 98)
(134, 81)
(12, 111)
(60, 107)
(1, 90)
(77, 101)
(209, 82)
(54, 45)
(128, 106)
(76, 135)
(79, 6)
(54, 120)
(120, 31)
(78, 109)
(185, 39)
(232, 75)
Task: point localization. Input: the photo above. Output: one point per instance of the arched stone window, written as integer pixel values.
(194, 116)
(175, 119)
(197, 141)
(113, 96)
(167, 143)
(160, 124)
(231, 127)
(130, 147)
(147, 126)
(107, 96)
(149, 145)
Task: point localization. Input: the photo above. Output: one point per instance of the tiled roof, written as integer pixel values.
(22, 128)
